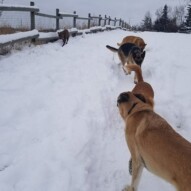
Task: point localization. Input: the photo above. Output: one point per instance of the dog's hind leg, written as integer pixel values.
(64, 42)
(125, 66)
(67, 39)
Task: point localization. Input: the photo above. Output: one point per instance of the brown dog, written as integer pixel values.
(142, 88)
(64, 35)
(138, 41)
(154, 144)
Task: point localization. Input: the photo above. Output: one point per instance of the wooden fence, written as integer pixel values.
(34, 12)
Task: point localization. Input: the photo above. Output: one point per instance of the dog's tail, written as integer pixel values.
(137, 69)
(112, 48)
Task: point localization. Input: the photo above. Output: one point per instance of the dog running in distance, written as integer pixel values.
(129, 53)
(154, 144)
(64, 35)
(138, 41)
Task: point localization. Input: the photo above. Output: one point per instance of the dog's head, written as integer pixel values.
(138, 55)
(142, 46)
(127, 102)
(59, 35)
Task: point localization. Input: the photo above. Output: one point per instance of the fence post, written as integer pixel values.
(74, 20)
(99, 21)
(89, 16)
(109, 20)
(120, 22)
(105, 20)
(32, 14)
(115, 21)
(57, 19)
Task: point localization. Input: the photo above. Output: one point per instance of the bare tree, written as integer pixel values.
(158, 13)
(178, 13)
(147, 22)
(1, 3)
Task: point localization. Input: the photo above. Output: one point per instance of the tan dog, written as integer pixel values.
(142, 87)
(138, 41)
(154, 144)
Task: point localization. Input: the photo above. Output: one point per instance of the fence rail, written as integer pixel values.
(59, 15)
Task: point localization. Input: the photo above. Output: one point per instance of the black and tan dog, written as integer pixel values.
(154, 144)
(129, 53)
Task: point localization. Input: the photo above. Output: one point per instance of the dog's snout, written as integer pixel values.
(123, 97)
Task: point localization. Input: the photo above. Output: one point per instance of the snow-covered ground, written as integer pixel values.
(59, 123)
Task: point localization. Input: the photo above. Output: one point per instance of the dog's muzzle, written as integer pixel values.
(123, 97)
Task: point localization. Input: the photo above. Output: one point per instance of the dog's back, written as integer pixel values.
(165, 152)
(138, 41)
(64, 35)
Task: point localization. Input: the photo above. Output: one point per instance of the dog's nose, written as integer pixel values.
(123, 97)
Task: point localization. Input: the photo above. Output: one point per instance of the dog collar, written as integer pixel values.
(132, 108)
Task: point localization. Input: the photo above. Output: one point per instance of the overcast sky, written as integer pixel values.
(132, 11)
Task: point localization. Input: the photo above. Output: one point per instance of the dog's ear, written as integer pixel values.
(141, 97)
(143, 54)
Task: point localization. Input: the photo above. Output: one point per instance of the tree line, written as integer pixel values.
(167, 20)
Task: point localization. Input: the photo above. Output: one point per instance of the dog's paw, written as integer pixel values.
(128, 188)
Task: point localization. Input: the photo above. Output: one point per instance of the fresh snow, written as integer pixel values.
(12, 37)
(60, 126)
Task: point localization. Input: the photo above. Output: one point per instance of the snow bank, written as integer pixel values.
(17, 6)
(13, 37)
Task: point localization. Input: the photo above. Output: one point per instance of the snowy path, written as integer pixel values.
(60, 127)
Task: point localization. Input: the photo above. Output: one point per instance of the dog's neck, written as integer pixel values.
(142, 107)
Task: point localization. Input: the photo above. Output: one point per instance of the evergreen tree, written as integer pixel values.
(188, 16)
(164, 23)
(164, 19)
